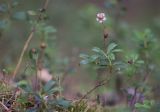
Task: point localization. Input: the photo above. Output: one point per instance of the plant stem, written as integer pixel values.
(37, 81)
(22, 53)
(102, 83)
(27, 42)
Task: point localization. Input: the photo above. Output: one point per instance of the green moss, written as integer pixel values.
(85, 107)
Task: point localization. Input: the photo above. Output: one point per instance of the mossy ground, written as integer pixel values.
(9, 97)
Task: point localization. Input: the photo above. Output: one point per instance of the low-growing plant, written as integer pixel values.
(133, 67)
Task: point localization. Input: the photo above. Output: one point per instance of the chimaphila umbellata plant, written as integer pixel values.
(133, 70)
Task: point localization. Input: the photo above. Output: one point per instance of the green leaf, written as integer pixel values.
(139, 35)
(33, 54)
(140, 62)
(84, 62)
(22, 99)
(24, 85)
(53, 90)
(135, 57)
(146, 106)
(147, 33)
(49, 85)
(111, 56)
(5, 71)
(93, 58)
(117, 50)
(138, 105)
(20, 15)
(32, 13)
(49, 29)
(111, 47)
(64, 103)
(96, 49)
(83, 56)
(146, 102)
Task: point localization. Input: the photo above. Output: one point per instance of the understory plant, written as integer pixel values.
(133, 66)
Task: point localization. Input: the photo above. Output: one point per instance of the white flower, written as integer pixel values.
(101, 17)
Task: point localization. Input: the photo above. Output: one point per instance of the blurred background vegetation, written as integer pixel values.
(75, 31)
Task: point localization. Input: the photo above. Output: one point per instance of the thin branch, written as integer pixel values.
(28, 41)
(102, 83)
(22, 53)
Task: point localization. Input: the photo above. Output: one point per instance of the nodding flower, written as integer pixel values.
(101, 17)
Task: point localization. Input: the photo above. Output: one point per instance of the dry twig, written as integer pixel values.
(6, 108)
(102, 83)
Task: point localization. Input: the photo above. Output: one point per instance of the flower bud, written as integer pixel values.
(105, 33)
(33, 50)
(43, 45)
(130, 62)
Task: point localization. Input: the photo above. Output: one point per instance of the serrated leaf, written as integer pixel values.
(49, 85)
(112, 56)
(117, 50)
(96, 49)
(55, 89)
(93, 58)
(111, 47)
